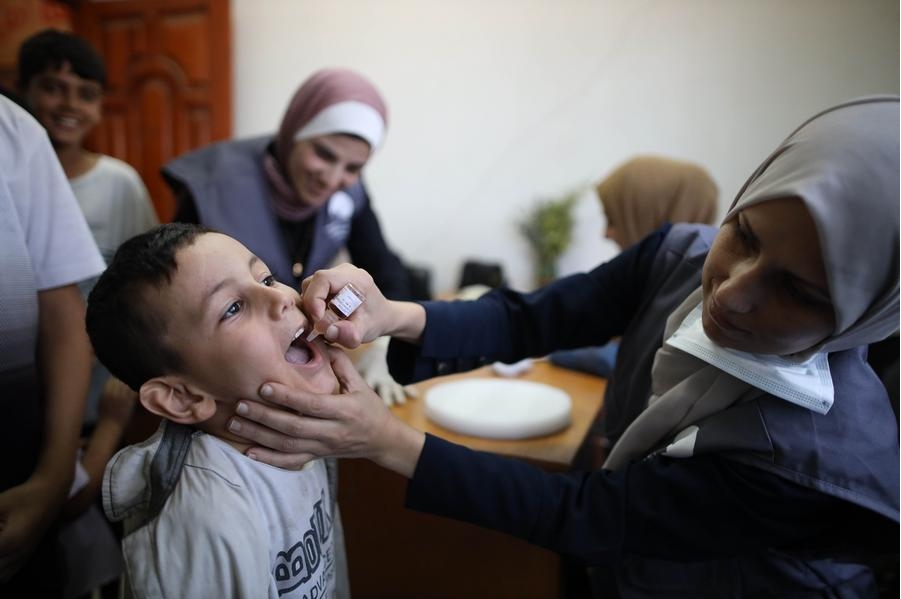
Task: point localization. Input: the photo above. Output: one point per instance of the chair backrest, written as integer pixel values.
(490, 274)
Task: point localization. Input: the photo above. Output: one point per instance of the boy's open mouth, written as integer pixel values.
(299, 351)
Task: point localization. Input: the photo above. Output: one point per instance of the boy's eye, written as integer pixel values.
(269, 281)
(90, 94)
(51, 86)
(232, 310)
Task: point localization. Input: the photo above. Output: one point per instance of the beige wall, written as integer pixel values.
(495, 103)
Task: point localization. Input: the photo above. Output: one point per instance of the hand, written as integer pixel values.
(116, 407)
(26, 511)
(117, 403)
(354, 423)
(363, 325)
(372, 364)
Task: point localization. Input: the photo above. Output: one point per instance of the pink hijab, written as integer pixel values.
(330, 101)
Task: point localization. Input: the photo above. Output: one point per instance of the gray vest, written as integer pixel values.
(228, 186)
(850, 453)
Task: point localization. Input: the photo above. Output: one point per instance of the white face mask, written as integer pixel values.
(808, 384)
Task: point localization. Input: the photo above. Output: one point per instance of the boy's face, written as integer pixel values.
(235, 327)
(65, 104)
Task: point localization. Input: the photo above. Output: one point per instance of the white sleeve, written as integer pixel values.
(209, 543)
(142, 213)
(60, 245)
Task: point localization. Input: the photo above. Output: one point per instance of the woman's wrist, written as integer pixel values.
(407, 321)
(401, 449)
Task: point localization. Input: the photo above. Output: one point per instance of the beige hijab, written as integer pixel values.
(843, 164)
(647, 191)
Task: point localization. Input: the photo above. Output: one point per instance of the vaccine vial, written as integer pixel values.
(340, 306)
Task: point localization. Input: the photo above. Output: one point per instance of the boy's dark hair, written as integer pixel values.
(127, 333)
(51, 48)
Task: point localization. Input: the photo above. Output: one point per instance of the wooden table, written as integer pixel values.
(398, 553)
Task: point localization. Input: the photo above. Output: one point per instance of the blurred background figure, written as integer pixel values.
(648, 191)
(296, 198)
(638, 197)
(61, 79)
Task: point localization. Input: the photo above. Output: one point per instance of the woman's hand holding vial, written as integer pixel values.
(342, 305)
(347, 308)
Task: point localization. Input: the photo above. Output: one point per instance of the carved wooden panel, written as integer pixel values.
(169, 81)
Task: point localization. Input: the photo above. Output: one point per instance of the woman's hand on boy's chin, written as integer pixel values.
(355, 423)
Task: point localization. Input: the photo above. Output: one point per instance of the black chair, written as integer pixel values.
(490, 274)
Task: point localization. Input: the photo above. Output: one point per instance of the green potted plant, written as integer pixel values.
(547, 228)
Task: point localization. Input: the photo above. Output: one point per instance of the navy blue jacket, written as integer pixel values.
(788, 509)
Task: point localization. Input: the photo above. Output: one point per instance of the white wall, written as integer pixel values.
(496, 103)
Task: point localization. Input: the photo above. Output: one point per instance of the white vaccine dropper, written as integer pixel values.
(342, 305)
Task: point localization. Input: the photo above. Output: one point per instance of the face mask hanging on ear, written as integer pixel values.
(808, 384)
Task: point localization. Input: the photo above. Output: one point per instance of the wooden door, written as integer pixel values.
(168, 81)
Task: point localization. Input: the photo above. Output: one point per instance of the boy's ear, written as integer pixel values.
(171, 398)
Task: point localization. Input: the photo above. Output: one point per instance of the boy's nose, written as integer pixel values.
(70, 97)
(279, 303)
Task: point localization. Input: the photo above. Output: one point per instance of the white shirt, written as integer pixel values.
(44, 239)
(115, 203)
(231, 527)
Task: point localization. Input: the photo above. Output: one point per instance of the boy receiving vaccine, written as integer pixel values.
(193, 321)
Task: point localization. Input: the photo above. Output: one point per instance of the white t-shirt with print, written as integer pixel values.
(232, 527)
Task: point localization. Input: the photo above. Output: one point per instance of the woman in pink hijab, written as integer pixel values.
(296, 198)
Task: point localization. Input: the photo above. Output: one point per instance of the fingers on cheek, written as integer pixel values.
(280, 396)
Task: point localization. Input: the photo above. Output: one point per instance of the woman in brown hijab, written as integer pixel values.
(639, 196)
(648, 191)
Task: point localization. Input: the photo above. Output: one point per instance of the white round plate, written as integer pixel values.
(498, 408)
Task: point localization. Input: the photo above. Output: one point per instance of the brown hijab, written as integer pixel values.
(648, 191)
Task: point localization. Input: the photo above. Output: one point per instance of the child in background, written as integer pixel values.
(193, 321)
(61, 78)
